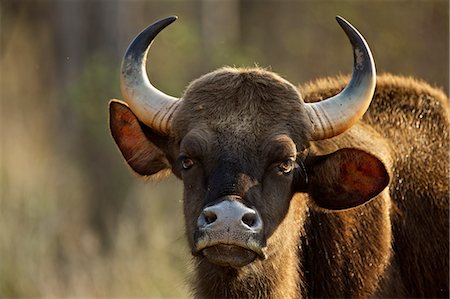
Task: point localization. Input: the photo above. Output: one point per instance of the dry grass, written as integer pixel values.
(48, 247)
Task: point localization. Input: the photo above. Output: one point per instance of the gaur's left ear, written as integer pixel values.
(345, 179)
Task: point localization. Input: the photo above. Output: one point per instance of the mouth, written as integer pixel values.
(230, 253)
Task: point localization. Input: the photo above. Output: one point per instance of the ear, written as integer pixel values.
(346, 178)
(137, 142)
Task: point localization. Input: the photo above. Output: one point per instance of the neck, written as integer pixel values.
(278, 276)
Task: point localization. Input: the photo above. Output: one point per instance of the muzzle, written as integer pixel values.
(230, 234)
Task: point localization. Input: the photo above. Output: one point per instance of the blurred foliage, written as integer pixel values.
(74, 221)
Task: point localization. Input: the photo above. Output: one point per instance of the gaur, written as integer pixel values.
(336, 188)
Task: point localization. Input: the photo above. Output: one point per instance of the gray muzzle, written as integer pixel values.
(233, 230)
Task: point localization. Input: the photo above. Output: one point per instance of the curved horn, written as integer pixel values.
(334, 115)
(153, 107)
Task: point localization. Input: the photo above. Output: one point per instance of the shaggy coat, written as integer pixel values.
(364, 214)
(404, 250)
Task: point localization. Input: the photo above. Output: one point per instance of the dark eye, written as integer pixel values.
(187, 163)
(286, 167)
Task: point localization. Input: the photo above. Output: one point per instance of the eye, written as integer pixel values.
(286, 166)
(187, 163)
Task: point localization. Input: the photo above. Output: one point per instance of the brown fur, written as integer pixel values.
(412, 119)
(236, 108)
(241, 123)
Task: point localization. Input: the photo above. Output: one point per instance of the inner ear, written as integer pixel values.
(346, 178)
(143, 149)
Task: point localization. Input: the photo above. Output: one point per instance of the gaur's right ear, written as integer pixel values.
(139, 145)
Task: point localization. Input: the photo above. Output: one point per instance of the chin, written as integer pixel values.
(226, 255)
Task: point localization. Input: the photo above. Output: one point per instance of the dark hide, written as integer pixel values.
(331, 227)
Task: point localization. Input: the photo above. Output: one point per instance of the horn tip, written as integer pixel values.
(164, 22)
(342, 22)
(172, 18)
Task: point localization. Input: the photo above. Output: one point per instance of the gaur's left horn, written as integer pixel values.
(153, 107)
(334, 115)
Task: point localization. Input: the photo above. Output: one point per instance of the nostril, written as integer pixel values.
(209, 216)
(249, 219)
(227, 216)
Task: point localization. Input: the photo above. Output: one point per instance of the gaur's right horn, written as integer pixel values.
(334, 115)
(153, 107)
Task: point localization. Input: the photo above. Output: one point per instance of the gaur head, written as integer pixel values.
(239, 140)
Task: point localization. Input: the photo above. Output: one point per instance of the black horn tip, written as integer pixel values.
(356, 39)
(143, 40)
(340, 20)
(345, 25)
(169, 19)
(157, 26)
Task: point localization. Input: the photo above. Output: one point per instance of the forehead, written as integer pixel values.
(243, 105)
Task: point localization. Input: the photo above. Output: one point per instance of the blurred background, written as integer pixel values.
(74, 221)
